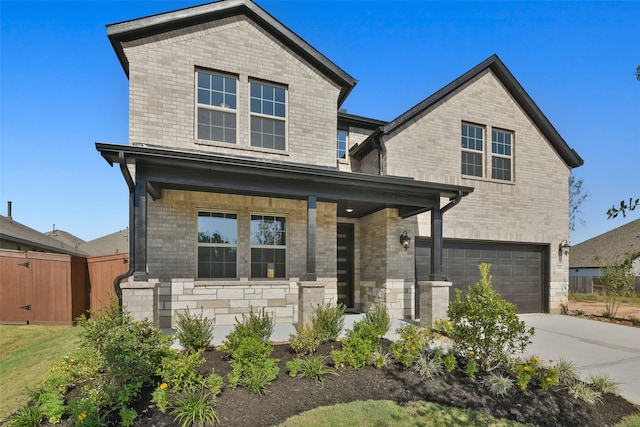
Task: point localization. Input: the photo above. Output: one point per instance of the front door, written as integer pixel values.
(345, 264)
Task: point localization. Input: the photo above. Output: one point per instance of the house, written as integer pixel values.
(588, 257)
(251, 188)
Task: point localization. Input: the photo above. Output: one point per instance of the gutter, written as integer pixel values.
(452, 202)
(127, 177)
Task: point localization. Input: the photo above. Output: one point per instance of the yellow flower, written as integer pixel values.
(526, 368)
(536, 359)
(549, 379)
(163, 386)
(82, 416)
(471, 353)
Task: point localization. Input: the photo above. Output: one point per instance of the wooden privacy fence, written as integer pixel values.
(54, 289)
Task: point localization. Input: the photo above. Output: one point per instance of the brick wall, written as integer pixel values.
(162, 87)
(533, 208)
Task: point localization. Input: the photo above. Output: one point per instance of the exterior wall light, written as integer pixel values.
(405, 240)
(563, 248)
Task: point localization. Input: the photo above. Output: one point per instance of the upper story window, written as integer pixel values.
(217, 245)
(501, 143)
(343, 144)
(472, 151)
(268, 246)
(216, 99)
(268, 116)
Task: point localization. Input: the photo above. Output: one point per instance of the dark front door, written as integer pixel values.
(345, 264)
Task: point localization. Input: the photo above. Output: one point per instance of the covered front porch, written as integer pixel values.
(169, 187)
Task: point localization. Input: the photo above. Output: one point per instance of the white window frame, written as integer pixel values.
(223, 108)
(284, 119)
(508, 156)
(346, 144)
(474, 150)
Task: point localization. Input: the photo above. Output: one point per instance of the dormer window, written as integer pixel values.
(216, 107)
(268, 116)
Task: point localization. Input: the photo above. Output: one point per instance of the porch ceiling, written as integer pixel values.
(163, 168)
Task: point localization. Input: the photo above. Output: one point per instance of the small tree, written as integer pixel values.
(485, 325)
(617, 280)
(576, 197)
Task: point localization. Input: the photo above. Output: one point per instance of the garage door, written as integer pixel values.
(519, 272)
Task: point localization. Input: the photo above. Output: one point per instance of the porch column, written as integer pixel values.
(310, 295)
(436, 244)
(434, 301)
(311, 238)
(140, 219)
(141, 300)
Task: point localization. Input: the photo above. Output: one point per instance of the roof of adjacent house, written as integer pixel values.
(611, 246)
(503, 74)
(114, 243)
(20, 234)
(67, 238)
(126, 31)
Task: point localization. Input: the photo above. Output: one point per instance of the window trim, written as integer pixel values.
(503, 156)
(219, 245)
(481, 152)
(228, 110)
(284, 119)
(285, 246)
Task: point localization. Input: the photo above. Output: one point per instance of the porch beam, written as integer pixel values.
(311, 238)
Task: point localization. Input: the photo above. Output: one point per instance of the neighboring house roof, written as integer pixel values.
(126, 31)
(114, 243)
(497, 67)
(67, 238)
(608, 247)
(21, 235)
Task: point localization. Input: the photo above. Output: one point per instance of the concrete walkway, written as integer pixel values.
(594, 347)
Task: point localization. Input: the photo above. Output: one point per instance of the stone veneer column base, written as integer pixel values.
(310, 295)
(141, 300)
(434, 301)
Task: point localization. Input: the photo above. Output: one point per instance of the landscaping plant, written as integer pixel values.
(617, 281)
(357, 349)
(488, 325)
(378, 316)
(194, 332)
(305, 341)
(328, 320)
(413, 340)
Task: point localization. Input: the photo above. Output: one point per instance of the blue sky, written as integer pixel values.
(62, 88)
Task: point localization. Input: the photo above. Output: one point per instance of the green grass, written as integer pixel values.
(630, 421)
(26, 353)
(388, 413)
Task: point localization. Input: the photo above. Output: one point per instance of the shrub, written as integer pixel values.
(483, 322)
(497, 384)
(412, 341)
(194, 331)
(567, 374)
(381, 359)
(604, 384)
(256, 376)
(51, 404)
(294, 367)
(311, 367)
(27, 416)
(306, 341)
(160, 397)
(127, 416)
(328, 321)
(195, 407)
(428, 365)
(378, 316)
(179, 370)
(449, 362)
(442, 326)
(358, 347)
(259, 326)
(582, 391)
(86, 413)
(617, 281)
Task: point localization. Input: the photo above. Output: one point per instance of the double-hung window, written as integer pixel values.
(217, 245)
(501, 149)
(268, 246)
(343, 143)
(472, 150)
(268, 116)
(216, 107)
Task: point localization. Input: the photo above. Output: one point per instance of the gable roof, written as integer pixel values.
(611, 246)
(126, 31)
(67, 238)
(497, 67)
(114, 243)
(20, 234)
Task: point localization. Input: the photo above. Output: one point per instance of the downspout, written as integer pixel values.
(127, 177)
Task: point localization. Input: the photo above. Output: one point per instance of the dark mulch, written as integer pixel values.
(290, 396)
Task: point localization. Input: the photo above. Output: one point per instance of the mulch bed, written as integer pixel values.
(290, 396)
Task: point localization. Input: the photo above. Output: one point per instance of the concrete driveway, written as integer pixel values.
(595, 348)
